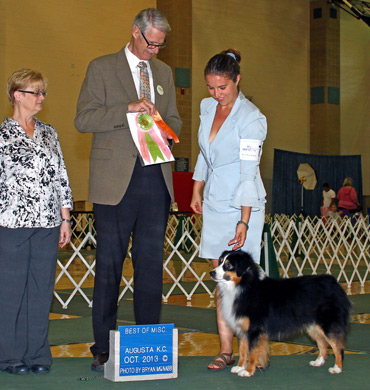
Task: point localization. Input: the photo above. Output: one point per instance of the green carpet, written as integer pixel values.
(191, 318)
(358, 339)
(285, 372)
(73, 331)
(77, 307)
(360, 303)
(79, 330)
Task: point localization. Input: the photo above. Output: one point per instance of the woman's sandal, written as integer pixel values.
(221, 361)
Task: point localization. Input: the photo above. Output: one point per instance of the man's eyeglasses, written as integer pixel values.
(36, 93)
(151, 45)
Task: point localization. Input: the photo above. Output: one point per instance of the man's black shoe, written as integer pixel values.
(20, 369)
(40, 369)
(99, 360)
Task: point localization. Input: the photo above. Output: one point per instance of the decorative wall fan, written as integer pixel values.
(307, 179)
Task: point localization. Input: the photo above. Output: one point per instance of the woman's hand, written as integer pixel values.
(65, 234)
(65, 228)
(241, 229)
(197, 199)
(240, 237)
(196, 204)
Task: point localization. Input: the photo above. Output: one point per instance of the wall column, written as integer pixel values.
(324, 78)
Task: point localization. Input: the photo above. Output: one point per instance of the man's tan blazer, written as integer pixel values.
(101, 109)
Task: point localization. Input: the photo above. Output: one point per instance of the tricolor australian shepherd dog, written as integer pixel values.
(259, 308)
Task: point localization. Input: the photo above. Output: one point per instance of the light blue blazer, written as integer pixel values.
(231, 181)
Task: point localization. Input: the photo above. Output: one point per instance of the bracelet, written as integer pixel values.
(67, 220)
(242, 223)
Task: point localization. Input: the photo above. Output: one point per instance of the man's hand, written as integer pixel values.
(141, 105)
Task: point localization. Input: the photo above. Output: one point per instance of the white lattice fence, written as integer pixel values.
(303, 246)
(311, 246)
(186, 241)
(79, 265)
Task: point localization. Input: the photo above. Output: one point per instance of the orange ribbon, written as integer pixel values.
(161, 123)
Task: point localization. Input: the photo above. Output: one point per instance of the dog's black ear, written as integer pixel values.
(242, 271)
(224, 254)
(247, 265)
(240, 267)
(221, 258)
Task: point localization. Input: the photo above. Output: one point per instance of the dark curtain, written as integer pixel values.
(286, 190)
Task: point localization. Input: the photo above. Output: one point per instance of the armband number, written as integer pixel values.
(250, 149)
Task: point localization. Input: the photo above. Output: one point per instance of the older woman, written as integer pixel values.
(228, 189)
(35, 200)
(347, 197)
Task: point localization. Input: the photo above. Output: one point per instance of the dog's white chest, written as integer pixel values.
(227, 305)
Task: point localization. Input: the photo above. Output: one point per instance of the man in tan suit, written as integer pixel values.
(128, 197)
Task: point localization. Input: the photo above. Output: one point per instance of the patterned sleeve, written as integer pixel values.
(64, 186)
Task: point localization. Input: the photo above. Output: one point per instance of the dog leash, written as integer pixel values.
(89, 378)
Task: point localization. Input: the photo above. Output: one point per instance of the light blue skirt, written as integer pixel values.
(219, 228)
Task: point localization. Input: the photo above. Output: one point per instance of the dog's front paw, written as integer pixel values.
(320, 361)
(236, 369)
(244, 373)
(335, 370)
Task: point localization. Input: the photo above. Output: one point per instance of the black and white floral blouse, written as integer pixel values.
(34, 184)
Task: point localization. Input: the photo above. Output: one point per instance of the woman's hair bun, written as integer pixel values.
(225, 64)
(234, 54)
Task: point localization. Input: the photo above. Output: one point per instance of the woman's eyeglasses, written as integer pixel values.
(36, 93)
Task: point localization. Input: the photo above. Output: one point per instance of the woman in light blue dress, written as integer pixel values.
(228, 189)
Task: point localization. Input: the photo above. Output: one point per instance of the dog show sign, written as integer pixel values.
(142, 352)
